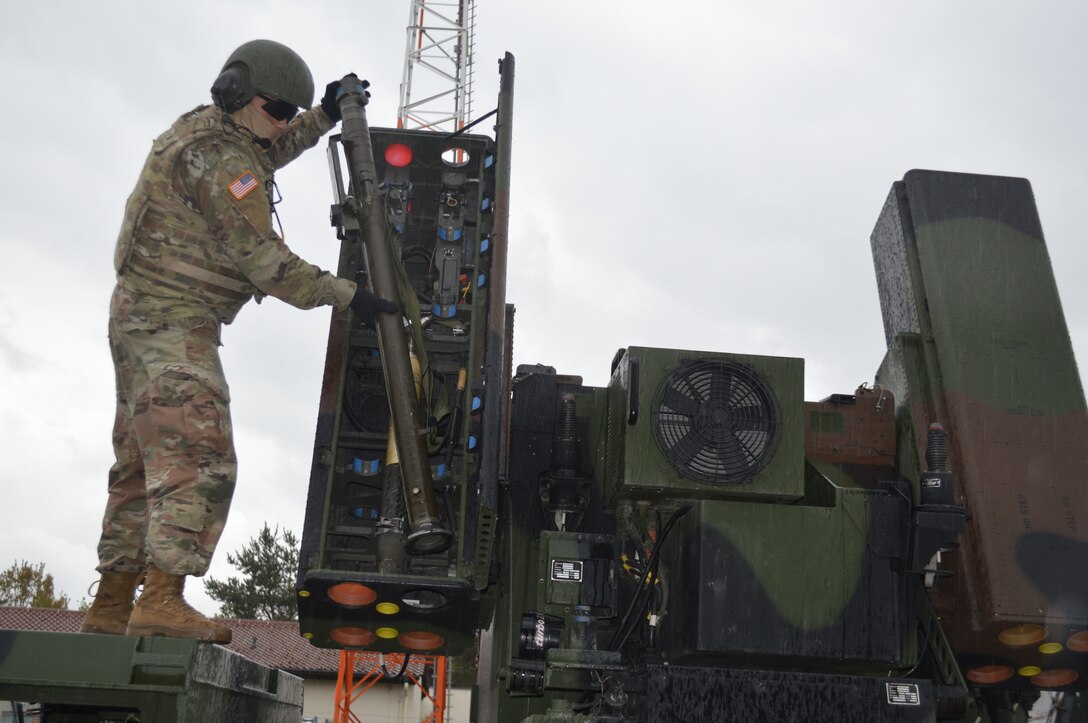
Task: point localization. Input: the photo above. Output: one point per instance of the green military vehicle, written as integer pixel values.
(694, 540)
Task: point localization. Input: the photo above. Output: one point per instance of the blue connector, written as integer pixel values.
(366, 467)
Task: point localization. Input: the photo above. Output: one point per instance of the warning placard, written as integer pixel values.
(903, 694)
(567, 570)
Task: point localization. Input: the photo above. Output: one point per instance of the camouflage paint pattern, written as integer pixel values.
(171, 485)
(196, 244)
(753, 582)
(189, 246)
(978, 341)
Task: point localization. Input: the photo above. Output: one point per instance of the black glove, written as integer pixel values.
(366, 305)
(329, 104)
(328, 101)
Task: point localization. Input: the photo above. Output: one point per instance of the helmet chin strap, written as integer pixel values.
(262, 142)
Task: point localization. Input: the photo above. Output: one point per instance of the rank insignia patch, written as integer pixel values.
(243, 185)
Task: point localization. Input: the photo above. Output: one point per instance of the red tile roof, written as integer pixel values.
(274, 643)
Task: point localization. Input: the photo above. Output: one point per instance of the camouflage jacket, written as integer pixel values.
(197, 238)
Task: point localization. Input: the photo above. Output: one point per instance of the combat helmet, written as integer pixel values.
(265, 67)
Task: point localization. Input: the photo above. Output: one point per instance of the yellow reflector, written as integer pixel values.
(304, 593)
(386, 633)
(1050, 648)
(1029, 670)
(387, 608)
(308, 636)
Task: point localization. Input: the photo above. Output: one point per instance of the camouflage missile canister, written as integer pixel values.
(977, 342)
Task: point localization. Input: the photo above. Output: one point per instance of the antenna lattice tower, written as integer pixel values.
(440, 41)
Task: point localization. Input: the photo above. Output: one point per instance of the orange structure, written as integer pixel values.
(375, 667)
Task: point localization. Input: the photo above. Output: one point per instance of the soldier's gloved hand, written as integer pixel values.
(366, 305)
(328, 101)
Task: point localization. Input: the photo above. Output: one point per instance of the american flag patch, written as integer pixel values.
(243, 185)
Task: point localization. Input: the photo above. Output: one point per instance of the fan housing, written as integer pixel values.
(716, 421)
(704, 425)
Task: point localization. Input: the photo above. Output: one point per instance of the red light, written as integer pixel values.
(1057, 678)
(421, 640)
(352, 594)
(398, 155)
(352, 637)
(989, 674)
(1078, 642)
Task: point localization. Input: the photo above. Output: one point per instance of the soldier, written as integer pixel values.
(197, 244)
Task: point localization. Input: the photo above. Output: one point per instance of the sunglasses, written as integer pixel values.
(279, 110)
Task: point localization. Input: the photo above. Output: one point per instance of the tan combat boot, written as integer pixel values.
(108, 614)
(162, 612)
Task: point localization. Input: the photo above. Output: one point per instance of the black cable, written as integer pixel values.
(925, 649)
(484, 117)
(403, 668)
(447, 498)
(651, 572)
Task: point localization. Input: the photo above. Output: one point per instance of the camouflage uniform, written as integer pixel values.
(196, 245)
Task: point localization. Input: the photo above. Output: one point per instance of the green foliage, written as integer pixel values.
(266, 589)
(30, 586)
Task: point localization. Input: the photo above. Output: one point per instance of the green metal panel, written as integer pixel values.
(577, 569)
(792, 581)
(996, 317)
(166, 680)
(638, 468)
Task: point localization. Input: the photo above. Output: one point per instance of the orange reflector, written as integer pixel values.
(1050, 648)
(1056, 678)
(1020, 635)
(387, 608)
(989, 674)
(352, 594)
(398, 155)
(421, 640)
(1078, 642)
(387, 633)
(352, 637)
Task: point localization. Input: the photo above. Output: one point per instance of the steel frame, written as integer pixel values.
(441, 36)
(349, 690)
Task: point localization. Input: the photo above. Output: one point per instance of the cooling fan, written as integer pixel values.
(716, 421)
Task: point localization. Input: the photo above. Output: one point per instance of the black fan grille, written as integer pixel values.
(716, 421)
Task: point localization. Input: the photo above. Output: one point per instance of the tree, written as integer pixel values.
(266, 590)
(30, 586)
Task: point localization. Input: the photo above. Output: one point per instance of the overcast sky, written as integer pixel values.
(695, 175)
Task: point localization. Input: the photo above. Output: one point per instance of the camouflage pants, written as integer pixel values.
(171, 485)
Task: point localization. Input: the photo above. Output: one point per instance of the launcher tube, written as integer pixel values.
(425, 530)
